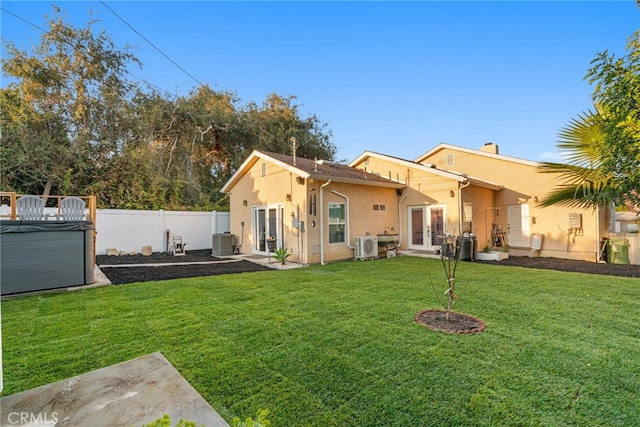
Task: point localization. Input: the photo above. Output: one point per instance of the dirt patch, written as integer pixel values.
(207, 265)
(574, 266)
(457, 323)
(197, 263)
(203, 255)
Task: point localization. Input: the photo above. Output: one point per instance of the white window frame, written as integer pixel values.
(273, 226)
(337, 222)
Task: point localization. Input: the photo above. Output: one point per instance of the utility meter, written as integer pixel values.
(575, 220)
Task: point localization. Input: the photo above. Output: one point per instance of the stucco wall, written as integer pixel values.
(482, 202)
(525, 185)
(280, 186)
(426, 188)
(362, 218)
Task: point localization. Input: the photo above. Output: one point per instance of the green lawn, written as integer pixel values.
(337, 345)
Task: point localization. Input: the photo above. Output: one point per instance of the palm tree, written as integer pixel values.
(584, 184)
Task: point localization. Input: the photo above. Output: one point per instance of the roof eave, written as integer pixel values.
(343, 180)
(408, 163)
(251, 160)
(248, 162)
(443, 145)
(485, 184)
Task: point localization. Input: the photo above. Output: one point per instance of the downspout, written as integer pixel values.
(347, 218)
(460, 213)
(598, 254)
(299, 234)
(322, 221)
(400, 220)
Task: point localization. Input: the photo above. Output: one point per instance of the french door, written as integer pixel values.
(518, 225)
(268, 228)
(426, 227)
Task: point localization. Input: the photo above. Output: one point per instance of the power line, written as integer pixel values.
(151, 44)
(80, 50)
(23, 20)
(282, 143)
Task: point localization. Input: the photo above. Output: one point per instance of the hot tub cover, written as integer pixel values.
(31, 226)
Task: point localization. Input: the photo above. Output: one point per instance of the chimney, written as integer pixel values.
(490, 147)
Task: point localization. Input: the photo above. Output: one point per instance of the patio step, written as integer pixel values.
(128, 394)
(521, 252)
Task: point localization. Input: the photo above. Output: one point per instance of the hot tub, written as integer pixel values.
(40, 255)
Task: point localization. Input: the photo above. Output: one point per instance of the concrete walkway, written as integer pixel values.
(270, 262)
(128, 394)
(418, 253)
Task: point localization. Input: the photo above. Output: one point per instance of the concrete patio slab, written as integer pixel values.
(271, 261)
(128, 394)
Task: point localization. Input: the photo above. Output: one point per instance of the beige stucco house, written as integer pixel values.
(322, 211)
(314, 209)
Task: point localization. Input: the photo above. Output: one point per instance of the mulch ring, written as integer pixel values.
(458, 323)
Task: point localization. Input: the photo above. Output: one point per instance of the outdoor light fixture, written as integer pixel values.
(244, 203)
(451, 193)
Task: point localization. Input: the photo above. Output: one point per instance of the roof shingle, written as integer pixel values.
(323, 169)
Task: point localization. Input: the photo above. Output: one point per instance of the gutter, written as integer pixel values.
(322, 221)
(400, 220)
(598, 246)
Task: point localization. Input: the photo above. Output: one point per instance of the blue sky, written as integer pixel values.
(392, 77)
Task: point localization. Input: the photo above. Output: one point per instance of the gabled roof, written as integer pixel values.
(428, 168)
(320, 170)
(443, 146)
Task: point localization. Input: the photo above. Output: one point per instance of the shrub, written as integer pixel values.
(260, 421)
(281, 254)
(165, 421)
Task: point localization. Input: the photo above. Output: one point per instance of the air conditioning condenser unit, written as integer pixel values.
(222, 244)
(366, 247)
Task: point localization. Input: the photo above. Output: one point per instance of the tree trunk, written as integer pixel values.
(47, 190)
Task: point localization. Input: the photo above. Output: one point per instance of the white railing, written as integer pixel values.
(130, 230)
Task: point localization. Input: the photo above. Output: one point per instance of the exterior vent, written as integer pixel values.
(222, 244)
(366, 247)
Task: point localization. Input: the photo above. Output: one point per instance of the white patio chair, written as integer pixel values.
(178, 248)
(72, 208)
(30, 208)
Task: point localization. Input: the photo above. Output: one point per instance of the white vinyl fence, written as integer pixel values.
(130, 230)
